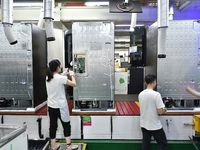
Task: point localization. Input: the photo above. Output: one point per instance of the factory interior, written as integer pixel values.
(111, 45)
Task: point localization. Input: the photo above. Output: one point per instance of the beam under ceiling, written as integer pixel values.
(59, 1)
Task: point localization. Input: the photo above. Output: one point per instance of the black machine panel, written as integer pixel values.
(136, 80)
(68, 50)
(39, 43)
(138, 40)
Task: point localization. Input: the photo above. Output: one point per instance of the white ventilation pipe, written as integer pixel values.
(171, 10)
(7, 20)
(48, 16)
(133, 21)
(41, 20)
(162, 42)
(163, 23)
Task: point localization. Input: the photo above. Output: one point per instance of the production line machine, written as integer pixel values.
(23, 68)
(176, 73)
(180, 68)
(93, 64)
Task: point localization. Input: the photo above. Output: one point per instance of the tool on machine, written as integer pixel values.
(4, 102)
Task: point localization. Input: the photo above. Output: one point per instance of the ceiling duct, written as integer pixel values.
(133, 21)
(171, 9)
(163, 23)
(7, 20)
(48, 16)
(41, 20)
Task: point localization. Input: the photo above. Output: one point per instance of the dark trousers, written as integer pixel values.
(54, 114)
(159, 136)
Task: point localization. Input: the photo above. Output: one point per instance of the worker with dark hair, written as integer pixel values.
(151, 106)
(57, 103)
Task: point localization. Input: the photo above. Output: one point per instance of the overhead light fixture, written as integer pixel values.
(27, 4)
(96, 3)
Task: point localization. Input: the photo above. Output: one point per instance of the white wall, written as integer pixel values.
(55, 48)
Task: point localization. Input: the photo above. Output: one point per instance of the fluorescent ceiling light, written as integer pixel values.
(27, 4)
(96, 3)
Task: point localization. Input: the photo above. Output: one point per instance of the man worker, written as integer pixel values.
(151, 106)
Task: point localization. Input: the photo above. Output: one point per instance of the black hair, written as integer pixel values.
(150, 78)
(53, 65)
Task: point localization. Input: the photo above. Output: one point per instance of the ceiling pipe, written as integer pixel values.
(7, 20)
(48, 16)
(184, 5)
(171, 9)
(41, 20)
(163, 23)
(187, 6)
(133, 21)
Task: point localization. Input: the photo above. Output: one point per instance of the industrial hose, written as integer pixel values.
(193, 92)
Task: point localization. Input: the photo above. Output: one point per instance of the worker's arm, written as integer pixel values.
(162, 111)
(71, 82)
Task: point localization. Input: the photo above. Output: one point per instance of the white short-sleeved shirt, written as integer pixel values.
(56, 92)
(150, 101)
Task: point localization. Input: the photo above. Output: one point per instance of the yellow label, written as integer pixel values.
(137, 103)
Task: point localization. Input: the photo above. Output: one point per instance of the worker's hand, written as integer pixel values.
(71, 73)
(71, 63)
(165, 110)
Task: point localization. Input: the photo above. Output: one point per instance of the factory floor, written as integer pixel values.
(100, 144)
(135, 145)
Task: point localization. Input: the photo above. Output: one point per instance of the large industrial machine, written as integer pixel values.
(180, 68)
(23, 67)
(93, 63)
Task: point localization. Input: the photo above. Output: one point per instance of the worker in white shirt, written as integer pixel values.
(151, 106)
(57, 103)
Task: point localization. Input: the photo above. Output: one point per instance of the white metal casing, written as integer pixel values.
(100, 128)
(32, 125)
(126, 127)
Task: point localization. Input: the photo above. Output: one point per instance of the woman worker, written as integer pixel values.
(57, 103)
